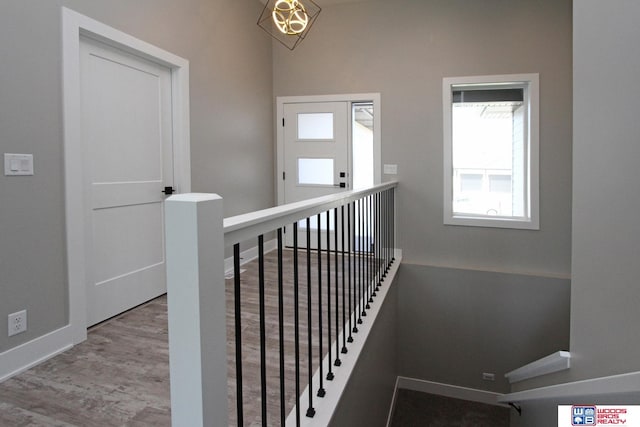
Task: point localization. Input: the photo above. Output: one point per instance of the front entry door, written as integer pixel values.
(316, 156)
(127, 141)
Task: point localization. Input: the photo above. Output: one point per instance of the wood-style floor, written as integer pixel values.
(120, 375)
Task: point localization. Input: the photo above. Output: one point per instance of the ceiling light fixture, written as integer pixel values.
(290, 16)
(288, 21)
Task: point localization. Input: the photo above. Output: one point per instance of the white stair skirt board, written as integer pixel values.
(555, 362)
(326, 406)
(614, 384)
(247, 256)
(453, 391)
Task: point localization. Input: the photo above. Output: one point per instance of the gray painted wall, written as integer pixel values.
(605, 337)
(367, 399)
(403, 49)
(454, 324)
(231, 128)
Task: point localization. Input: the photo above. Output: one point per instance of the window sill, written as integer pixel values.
(492, 222)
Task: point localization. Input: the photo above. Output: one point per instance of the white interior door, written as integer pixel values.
(316, 157)
(128, 160)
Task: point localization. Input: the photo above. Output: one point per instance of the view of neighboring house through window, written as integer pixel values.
(491, 151)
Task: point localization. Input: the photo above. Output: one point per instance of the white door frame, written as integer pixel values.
(351, 98)
(75, 25)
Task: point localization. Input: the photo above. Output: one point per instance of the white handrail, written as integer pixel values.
(555, 362)
(617, 385)
(196, 236)
(246, 226)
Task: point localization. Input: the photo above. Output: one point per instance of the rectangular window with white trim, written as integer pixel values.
(491, 151)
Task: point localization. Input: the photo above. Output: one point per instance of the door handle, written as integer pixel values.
(168, 191)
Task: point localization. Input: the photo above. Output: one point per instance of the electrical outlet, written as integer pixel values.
(488, 376)
(17, 322)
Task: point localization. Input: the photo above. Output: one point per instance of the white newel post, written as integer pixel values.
(196, 303)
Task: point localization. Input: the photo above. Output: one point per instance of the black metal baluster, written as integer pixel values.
(378, 247)
(344, 303)
(263, 333)
(356, 261)
(372, 276)
(390, 210)
(310, 411)
(372, 291)
(296, 319)
(386, 232)
(351, 327)
(376, 277)
(381, 231)
(371, 248)
(321, 390)
(383, 208)
(365, 295)
(381, 237)
(364, 253)
(393, 223)
(330, 375)
(362, 264)
(283, 414)
(361, 290)
(238, 325)
(337, 362)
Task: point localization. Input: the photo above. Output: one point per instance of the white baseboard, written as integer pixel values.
(448, 390)
(249, 255)
(29, 354)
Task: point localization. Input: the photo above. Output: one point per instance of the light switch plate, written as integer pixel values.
(390, 169)
(18, 164)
